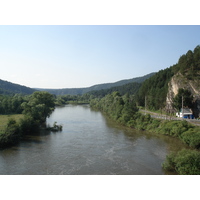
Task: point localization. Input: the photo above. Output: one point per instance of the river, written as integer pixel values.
(88, 144)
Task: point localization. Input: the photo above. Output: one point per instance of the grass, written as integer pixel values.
(4, 119)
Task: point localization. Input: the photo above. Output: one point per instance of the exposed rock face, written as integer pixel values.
(180, 81)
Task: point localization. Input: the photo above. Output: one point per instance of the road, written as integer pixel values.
(167, 117)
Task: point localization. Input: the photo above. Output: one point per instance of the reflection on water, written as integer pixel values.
(88, 144)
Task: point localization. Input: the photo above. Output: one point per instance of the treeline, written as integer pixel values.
(130, 88)
(120, 108)
(72, 99)
(35, 108)
(81, 91)
(8, 88)
(155, 90)
(11, 104)
(189, 63)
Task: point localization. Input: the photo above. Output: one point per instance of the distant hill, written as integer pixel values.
(129, 88)
(9, 88)
(77, 91)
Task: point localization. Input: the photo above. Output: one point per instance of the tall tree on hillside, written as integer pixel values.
(183, 96)
(197, 58)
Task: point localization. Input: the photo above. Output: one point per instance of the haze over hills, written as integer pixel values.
(80, 91)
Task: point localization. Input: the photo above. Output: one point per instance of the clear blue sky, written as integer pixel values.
(81, 56)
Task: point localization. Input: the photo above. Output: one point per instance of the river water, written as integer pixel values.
(89, 144)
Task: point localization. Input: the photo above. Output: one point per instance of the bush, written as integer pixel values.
(131, 123)
(28, 125)
(169, 164)
(192, 138)
(174, 128)
(11, 135)
(185, 162)
(14, 131)
(155, 123)
(188, 162)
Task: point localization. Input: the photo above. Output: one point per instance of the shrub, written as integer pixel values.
(188, 162)
(131, 123)
(192, 138)
(169, 164)
(11, 135)
(28, 125)
(155, 123)
(13, 131)
(174, 128)
(185, 162)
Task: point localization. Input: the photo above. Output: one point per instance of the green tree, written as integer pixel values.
(155, 89)
(185, 96)
(39, 106)
(129, 108)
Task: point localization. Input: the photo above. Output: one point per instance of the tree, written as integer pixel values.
(39, 106)
(185, 96)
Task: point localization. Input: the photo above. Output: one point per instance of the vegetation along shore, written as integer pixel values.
(24, 115)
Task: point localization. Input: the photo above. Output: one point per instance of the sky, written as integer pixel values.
(74, 56)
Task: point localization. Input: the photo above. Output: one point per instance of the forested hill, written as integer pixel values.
(77, 91)
(9, 88)
(186, 75)
(129, 88)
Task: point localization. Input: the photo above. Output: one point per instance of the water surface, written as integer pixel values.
(88, 144)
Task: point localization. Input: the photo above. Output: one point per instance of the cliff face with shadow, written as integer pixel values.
(182, 81)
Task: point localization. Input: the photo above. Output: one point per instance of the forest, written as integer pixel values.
(130, 88)
(8, 88)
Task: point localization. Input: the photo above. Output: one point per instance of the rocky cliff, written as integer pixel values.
(181, 81)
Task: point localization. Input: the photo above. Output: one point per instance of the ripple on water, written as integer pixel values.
(88, 144)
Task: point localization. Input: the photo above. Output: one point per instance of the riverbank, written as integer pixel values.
(5, 118)
(89, 144)
(125, 112)
(184, 162)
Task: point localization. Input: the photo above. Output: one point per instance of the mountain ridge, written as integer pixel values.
(9, 88)
(80, 91)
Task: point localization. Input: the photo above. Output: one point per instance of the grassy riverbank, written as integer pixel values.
(14, 127)
(5, 118)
